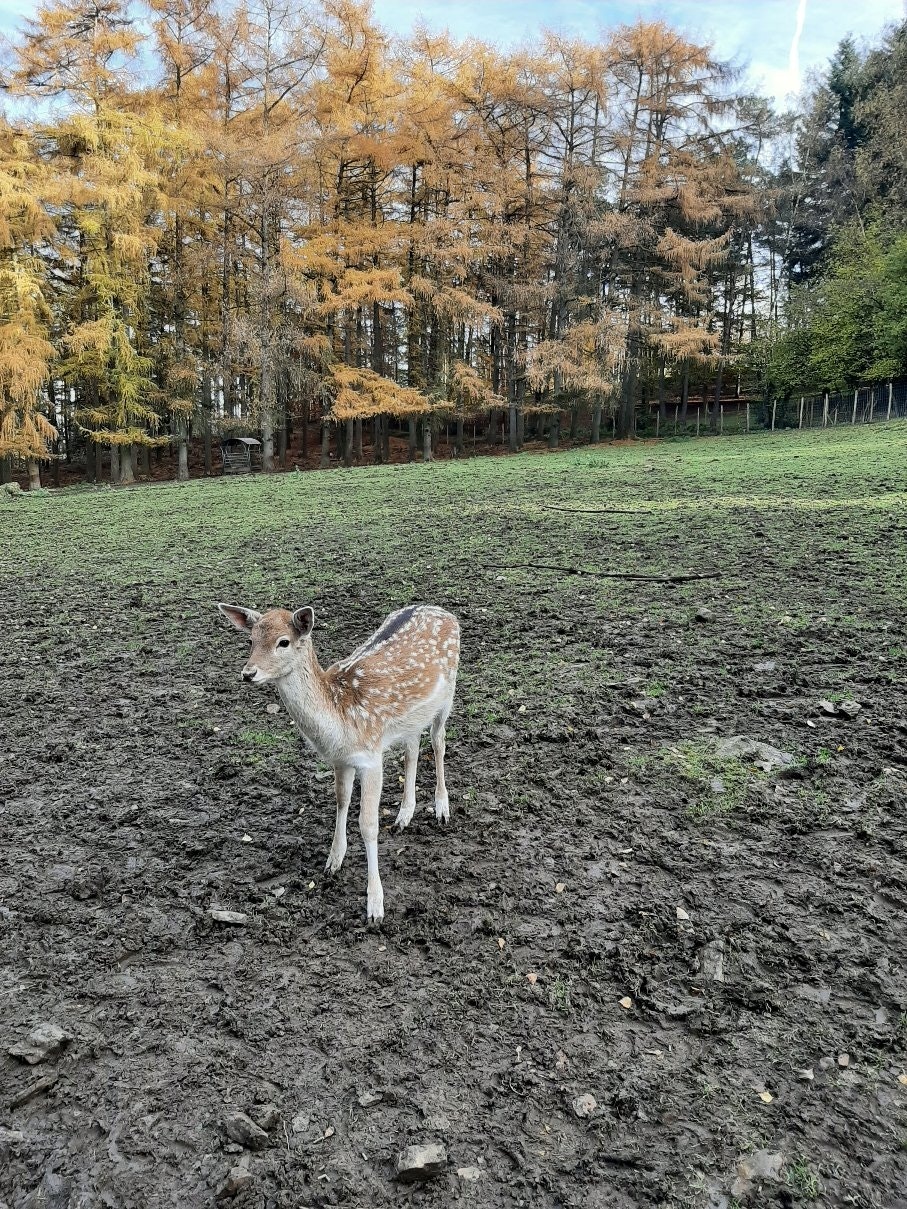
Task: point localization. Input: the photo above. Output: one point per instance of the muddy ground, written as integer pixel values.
(712, 951)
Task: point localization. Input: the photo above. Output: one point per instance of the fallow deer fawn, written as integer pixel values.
(394, 686)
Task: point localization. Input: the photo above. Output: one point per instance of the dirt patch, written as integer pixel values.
(631, 972)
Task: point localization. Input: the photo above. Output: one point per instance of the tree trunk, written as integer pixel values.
(357, 439)
(98, 454)
(596, 424)
(325, 445)
(305, 431)
(554, 432)
(207, 404)
(412, 439)
(127, 464)
(114, 465)
(459, 439)
(145, 460)
(685, 395)
(348, 443)
(426, 441)
(267, 441)
(34, 475)
(182, 458)
(282, 445)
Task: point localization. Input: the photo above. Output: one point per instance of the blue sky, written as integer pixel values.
(761, 35)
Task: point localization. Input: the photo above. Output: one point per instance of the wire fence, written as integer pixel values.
(865, 405)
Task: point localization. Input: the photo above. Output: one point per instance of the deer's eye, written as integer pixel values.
(283, 642)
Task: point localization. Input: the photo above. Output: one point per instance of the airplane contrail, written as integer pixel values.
(793, 61)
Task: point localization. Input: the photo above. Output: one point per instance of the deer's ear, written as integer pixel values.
(242, 619)
(304, 621)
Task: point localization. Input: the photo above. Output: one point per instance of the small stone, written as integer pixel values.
(843, 1059)
(273, 708)
(300, 1123)
(767, 665)
(266, 1115)
(681, 914)
(418, 1163)
(469, 1173)
(242, 1129)
(849, 709)
(760, 1165)
(237, 1178)
(626, 1003)
(585, 1105)
(8, 1138)
(828, 707)
(806, 1073)
(762, 755)
(710, 960)
(44, 1041)
(705, 614)
(236, 918)
(368, 1098)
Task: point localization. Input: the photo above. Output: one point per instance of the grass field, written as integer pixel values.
(717, 949)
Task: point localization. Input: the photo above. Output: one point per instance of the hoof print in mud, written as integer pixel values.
(419, 1163)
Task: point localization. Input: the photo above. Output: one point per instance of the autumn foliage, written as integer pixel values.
(216, 217)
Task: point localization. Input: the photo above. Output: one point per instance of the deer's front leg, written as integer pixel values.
(343, 786)
(370, 780)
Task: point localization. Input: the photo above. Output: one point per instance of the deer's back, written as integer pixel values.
(398, 677)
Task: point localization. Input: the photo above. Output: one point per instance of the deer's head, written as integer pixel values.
(277, 639)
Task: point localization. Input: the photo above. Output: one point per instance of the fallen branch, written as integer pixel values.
(679, 578)
(600, 511)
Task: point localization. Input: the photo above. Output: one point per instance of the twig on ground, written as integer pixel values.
(679, 578)
(601, 511)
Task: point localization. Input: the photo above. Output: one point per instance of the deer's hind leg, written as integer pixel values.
(408, 805)
(439, 746)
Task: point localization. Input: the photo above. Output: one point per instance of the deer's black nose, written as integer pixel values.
(249, 673)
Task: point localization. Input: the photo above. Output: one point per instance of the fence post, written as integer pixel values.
(774, 411)
(890, 395)
(721, 420)
(747, 417)
(800, 425)
(872, 404)
(658, 422)
(825, 409)
(853, 418)
(676, 408)
(697, 421)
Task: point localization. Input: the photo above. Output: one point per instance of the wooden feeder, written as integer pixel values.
(240, 455)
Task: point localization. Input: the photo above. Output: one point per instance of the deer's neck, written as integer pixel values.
(306, 700)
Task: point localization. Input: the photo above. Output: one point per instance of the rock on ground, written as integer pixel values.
(763, 755)
(417, 1163)
(242, 1129)
(44, 1041)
